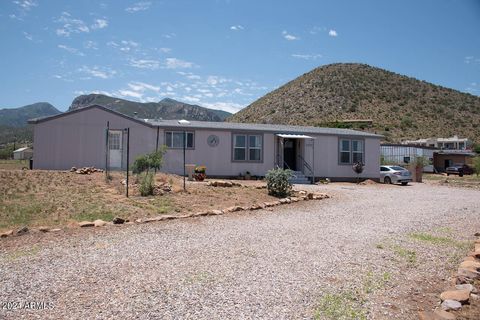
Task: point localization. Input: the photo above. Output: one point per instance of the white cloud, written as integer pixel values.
(99, 24)
(139, 6)
(26, 4)
(142, 86)
(71, 50)
(471, 60)
(332, 33)
(144, 63)
(90, 45)
(215, 80)
(98, 72)
(70, 25)
(307, 56)
(28, 36)
(225, 106)
(288, 36)
(169, 35)
(165, 50)
(129, 93)
(316, 30)
(174, 63)
(237, 28)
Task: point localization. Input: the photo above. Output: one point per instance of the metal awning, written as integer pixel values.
(293, 136)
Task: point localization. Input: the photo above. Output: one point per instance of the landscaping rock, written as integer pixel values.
(256, 206)
(477, 234)
(22, 230)
(86, 224)
(118, 220)
(437, 315)
(73, 169)
(214, 212)
(285, 200)
(55, 230)
(469, 258)
(444, 315)
(451, 305)
(461, 296)
(468, 273)
(201, 213)
(234, 209)
(6, 234)
(473, 265)
(466, 286)
(43, 229)
(99, 223)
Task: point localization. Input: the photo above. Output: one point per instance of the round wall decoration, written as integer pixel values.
(213, 140)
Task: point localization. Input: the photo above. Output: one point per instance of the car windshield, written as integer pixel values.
(397, 168)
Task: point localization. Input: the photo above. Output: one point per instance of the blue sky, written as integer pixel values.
(224, 53)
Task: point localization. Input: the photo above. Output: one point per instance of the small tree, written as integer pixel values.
(142, 166)
(476, 165)
(278, 182)
(358, 169)
(419, 164)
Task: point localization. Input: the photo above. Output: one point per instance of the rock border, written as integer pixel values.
(454, 298)
(302, 196)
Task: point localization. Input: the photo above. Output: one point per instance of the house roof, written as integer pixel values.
(22, 149)
(274, 128)
(175, 124)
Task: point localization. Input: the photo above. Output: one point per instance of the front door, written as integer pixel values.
(115, 149)
(290, 154)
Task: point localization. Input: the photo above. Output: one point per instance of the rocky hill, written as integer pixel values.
(18, 117)
(400, 107)
(13, 122)
(164, 109)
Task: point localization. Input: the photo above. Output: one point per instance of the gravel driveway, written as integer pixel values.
(266, 264)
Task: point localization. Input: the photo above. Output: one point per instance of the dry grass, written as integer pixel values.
(35, 198)
(467, 181)
(13, 164)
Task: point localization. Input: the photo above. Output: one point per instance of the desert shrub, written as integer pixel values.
(142, 166)
(146, 184)
(149, 161)
(278, 182)
(421, 162)
(476, 165)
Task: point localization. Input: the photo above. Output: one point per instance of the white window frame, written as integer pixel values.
(114, 140)
(170, 145)
(350, 151)
(247, 147)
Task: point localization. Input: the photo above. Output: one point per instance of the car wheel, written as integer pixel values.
(387, 180)
(404, 183)
(448, 174)
(460, 174)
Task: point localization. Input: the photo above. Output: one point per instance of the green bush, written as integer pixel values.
(146, 184)
(278, 182)
(476, 165)
(149, 161)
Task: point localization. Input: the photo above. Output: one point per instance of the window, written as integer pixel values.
(406, 159)
(384, 169)
(247, 147)
(345, 151)
(351, 151)
(114, 140)
(174, 139)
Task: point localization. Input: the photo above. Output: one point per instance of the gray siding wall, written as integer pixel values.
(78, 139)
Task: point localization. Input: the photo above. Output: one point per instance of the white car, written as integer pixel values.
(395, 174)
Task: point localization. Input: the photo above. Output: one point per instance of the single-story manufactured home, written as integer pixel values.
(96, 136)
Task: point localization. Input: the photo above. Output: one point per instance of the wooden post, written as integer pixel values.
(107, 135)
(184, 147)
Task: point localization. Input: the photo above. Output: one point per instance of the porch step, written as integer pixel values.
(299, 178)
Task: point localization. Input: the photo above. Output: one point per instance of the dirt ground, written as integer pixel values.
(467, 181)
(51, 198)
(369, 252)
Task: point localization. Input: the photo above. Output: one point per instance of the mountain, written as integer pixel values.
(398, 106)
(18, 117)
(165, 109)
(13, 122)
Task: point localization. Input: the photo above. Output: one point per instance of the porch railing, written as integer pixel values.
(308, 167)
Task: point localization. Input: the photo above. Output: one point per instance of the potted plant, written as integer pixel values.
(358, 169)
(248, 176)
(200, 173)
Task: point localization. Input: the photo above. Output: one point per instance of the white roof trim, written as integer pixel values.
(294, 136)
